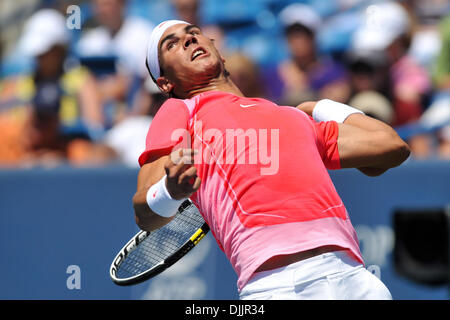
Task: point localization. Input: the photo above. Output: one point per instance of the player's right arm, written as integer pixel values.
(181, 183)
(161, 158)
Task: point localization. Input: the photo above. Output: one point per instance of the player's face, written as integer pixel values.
(188, 58)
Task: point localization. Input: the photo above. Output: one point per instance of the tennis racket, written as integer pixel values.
(148, 254)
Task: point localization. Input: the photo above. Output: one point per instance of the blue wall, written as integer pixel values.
(51, 220)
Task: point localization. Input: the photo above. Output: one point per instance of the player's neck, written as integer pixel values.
(220, 84)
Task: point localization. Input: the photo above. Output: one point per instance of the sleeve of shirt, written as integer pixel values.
(327, 135)
(164, 133)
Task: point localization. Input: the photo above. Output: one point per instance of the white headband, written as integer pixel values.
(152, 50)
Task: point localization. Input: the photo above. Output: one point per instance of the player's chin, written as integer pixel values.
(207, 66)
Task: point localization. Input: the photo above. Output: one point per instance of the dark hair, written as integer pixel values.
(405, 40)
(298, 28)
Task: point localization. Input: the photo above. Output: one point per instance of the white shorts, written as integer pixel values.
(329, 276)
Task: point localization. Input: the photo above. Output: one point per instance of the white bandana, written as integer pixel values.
(152, 50)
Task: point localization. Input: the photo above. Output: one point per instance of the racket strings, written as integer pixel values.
(161, 243)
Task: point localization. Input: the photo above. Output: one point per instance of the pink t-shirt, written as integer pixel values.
(265, 186)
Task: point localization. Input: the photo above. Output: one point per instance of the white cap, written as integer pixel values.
(373, 103)
(42, 31)
(437, 114)
(382, 24)
(152, 49)
(301, 14)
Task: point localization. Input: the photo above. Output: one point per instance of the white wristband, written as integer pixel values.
(329, 110)
(160, 201)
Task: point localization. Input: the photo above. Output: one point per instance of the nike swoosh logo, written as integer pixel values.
(248, 105)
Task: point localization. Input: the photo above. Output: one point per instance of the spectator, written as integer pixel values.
(216, 33)
(441, 77)
(187, 10)
(306, 76)
(124, 38)
(367, 73)
(127, 137)
(44, 112)
(441, 70)
(425, 16)
(245, 74)
(387, 29)
(368, 76)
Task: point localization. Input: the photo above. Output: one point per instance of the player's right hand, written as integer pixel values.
(182, 180)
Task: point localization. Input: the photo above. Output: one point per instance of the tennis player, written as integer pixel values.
(258, 173)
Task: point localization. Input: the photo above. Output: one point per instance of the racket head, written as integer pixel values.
(147, 254)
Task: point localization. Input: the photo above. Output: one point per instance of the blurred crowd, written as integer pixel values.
(74, 88)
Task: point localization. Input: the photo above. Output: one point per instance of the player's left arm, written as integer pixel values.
(367, 144)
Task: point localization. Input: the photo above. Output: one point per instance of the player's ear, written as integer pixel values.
(165, 85)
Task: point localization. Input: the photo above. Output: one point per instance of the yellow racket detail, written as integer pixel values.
(197, 236)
